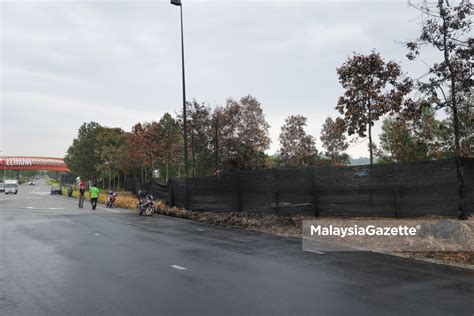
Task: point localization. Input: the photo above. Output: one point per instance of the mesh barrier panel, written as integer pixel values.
(160, 191)
(428, 187)
(258, 191)
(468, 172)
(178, 195)
(393, 190)
(296, 190)
(213, 193)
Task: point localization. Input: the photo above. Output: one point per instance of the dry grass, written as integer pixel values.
(123, 200)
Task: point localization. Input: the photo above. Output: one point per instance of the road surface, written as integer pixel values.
(58, 260)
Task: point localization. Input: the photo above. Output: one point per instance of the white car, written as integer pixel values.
(31, 182)
(11, 186)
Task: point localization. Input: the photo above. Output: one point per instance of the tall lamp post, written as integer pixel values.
(185, 130)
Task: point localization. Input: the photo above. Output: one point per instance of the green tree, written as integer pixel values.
(153, 142)
(397, 143)
(199, 124)
(243, 135)
(446, 26)
(422, 138)
(83, 155)
(171, 145)
(137, 150)
(111, 142)
(466, 129)
(334, 140)
(297, 149)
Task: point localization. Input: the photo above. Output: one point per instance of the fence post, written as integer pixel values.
(395, 206)
(462, 194)
(135, 186)
(396, 190)
(277, 190)
(186, 191)
(239, 191)
(170, 193)
(315, 193)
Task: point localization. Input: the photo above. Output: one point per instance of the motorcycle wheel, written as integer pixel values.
(150, 211)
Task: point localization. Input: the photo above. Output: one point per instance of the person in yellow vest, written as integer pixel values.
(94, 191)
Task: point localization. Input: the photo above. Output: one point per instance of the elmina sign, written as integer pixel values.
(30, 161)
(33, 163)
(369, 230)
(18, 162)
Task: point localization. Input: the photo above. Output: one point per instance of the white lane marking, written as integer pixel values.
(200, 229)
(97, 234)
(178, 267)
(44, 208)
(318, 252)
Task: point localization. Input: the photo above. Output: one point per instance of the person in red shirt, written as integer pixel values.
(82, 187)
(82, 190)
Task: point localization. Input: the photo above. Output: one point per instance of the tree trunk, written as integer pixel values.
(447, 60)
(370, 145)
(455, 122)
(152, 167)
(110, 179)
(370, 137)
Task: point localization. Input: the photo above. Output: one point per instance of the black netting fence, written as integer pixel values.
(441, 187)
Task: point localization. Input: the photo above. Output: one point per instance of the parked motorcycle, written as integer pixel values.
(146, 205)
(110, 200)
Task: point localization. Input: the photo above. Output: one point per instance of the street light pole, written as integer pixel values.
(185, 129)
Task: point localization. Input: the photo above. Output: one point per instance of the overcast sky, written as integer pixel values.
(117, 63)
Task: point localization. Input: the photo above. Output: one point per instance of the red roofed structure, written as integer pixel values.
(32, 163)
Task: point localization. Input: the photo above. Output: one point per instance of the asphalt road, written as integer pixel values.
(58, 260)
